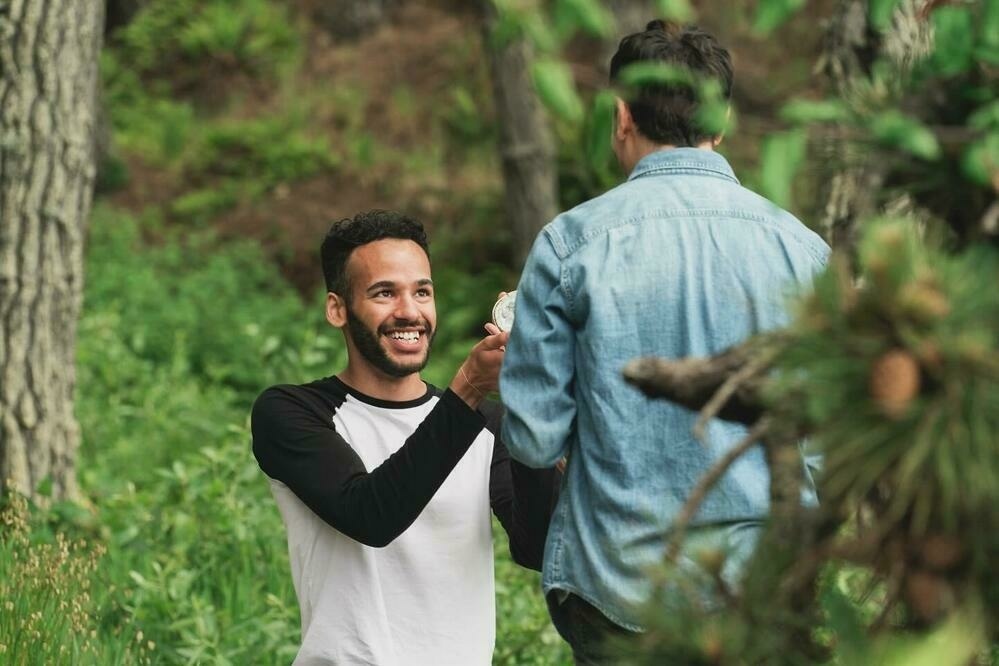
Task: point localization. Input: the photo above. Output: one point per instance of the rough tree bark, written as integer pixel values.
(851, 48)
(48, 105)
(526, 146)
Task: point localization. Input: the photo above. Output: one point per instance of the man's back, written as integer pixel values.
(678, 261)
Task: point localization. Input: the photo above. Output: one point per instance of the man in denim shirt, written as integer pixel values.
(679, 260)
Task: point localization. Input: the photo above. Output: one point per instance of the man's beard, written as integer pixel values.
(367, 343)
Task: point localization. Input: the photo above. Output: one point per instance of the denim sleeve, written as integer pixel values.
(536, 381)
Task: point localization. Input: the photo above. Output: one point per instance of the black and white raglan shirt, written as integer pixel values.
(386, 507)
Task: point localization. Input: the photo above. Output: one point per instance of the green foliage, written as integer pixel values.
(590, 16)
(676, 10)
(48, 585)
(267, 150)
(771, 14)
(222, 316)
(880, 11)
(897, 130)
(599, 131)
(525, 635)
(557, 89)
(935, 448)
(782, 155)
(252, 35)
(178, 335)
(953, 52)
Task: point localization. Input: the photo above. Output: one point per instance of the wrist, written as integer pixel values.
(466, 390)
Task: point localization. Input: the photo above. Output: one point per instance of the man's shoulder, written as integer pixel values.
(323, 393)
(652, 198)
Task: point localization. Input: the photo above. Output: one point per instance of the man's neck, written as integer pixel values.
(379, 385)
(646, 148)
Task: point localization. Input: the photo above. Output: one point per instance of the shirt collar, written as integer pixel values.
(683, 160)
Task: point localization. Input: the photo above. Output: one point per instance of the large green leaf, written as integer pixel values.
(652, 73)
(953, 45)
(988, 35)
(900, 131)
(676, 10)
(771, 14)
(589, 15)
(601, 126)
(556, 88)
(782, 155)
(981, 160)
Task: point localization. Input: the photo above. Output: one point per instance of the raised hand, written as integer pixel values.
(479, 373)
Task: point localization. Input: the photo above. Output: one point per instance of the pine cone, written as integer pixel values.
(894, 381)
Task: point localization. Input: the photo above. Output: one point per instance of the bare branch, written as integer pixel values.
(706, 483)
(693, 382)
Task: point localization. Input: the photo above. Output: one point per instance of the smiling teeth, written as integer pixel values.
(408, 336)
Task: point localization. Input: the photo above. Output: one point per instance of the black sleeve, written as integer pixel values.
(295, 442)
(521, 497)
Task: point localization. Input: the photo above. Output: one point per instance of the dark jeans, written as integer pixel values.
(595, 640)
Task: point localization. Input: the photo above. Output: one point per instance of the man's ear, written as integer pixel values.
(715, 142)
(624, 124)
(336, 310)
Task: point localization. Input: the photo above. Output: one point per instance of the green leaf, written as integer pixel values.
(655, 73)
(988, 36)
(985, 117)
(600, 129)
(952, 43)
(895, 129)
(676, 10)
(845, 622)
(44, 488)
(801, 111)
(981, 160)
(713, 111)
(557, 90)
(782, 155)
(772, 13)
(879, 13)
(589, 15)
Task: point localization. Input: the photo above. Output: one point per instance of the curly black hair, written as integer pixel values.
(667, 113)
(348, 234)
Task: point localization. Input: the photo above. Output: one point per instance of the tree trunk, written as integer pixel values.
(48, 95)
(526, 145)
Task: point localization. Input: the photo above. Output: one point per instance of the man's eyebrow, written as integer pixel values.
(388, 284)
(383, 284)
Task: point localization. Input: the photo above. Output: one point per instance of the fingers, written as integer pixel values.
(492, 329)
(495, 341)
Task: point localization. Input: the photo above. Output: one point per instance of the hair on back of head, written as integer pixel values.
(667, 113)
(350, 233)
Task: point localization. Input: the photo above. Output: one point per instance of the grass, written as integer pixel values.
(179, 555)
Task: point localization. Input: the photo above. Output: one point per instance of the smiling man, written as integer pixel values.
(384, 482)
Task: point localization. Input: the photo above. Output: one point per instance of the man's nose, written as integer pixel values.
(406, 308)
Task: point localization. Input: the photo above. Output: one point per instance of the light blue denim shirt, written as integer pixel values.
(679, 260)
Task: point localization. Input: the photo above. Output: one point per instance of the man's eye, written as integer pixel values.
(384, 293)
(424, 292)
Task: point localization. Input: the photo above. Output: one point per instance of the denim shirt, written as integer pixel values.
(679, 260)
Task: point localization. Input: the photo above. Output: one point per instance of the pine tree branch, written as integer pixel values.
(706, 483)
(694, 382)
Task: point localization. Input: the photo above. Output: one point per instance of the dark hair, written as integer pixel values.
(667, 113)
(349, 234)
